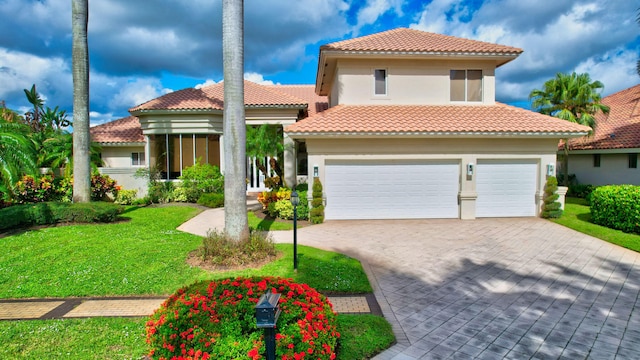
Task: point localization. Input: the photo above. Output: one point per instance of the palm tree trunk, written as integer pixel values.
(235, 196)
(81, 137)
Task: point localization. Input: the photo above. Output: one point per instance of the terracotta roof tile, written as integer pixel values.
(410, 40)
(125, 130)
(619, 129)
(307, 93)
(211, 97)
(422, 119)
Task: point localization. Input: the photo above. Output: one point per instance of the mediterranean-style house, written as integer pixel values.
(610, 154)
(400, 124)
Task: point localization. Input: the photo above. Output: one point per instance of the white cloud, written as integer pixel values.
(206, 83)
(135, 92)
(373, 9)
(258, 79)
(600, 69)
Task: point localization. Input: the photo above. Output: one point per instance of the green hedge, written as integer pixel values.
(212, 200)
(54, 212)
(617, 207)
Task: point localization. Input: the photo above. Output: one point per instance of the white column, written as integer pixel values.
(221, 144)
(290, 179)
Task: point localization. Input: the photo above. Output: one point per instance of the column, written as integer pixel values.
(290, 174)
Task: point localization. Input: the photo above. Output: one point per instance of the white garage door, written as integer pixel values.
(506, 188)
(391, 190)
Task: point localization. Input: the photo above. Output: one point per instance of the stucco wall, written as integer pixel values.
(119, 157)
(409, 82)
(463, 151)
(614, 169)
(125, 178)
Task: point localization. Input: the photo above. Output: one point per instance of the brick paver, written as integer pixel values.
(135, 307)
(493, 288)
(26, 310)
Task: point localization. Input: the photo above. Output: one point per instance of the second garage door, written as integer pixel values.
(506, 188)
(391, 190)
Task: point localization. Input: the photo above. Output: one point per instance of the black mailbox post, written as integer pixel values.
(295, 201)
(267, 313)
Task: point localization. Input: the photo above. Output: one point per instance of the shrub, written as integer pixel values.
(219, 249)
(201, 178)
(580, 190)
(616, 207)
(316, 214)
(215, 320)
(281, 209)
(160, 192)
(101, 186)
(46, 213)
(30, 190)
(211, 200)
(551, 205)
(126, 197)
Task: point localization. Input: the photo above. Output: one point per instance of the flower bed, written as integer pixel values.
(216, 320)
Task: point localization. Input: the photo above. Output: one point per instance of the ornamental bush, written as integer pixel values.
(201, 179)
(216, 320)
(551, 206)
(46, 213)
(211, 200)
(316, 214)
(616, 207)
(278, 203)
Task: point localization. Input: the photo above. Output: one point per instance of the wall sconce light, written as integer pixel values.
(316, 172)
(551, 170)
(470, 169)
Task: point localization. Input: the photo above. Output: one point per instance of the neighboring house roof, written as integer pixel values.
(620, 129)
(211, 97)
(410, 40)
(456, 120)
(403, 42)
(121, 131)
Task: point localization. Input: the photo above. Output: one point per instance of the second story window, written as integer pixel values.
(466, 85)
(380, 81)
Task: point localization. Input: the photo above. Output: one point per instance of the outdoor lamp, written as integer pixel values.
(295, 201)
(267, 313)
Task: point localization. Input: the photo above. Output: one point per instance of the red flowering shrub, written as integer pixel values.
(216, 320)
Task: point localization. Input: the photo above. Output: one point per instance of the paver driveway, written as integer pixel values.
(494, 288)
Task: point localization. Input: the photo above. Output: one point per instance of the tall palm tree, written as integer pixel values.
(17, 154)
(235, 196)
(81, 137)
(572, 97)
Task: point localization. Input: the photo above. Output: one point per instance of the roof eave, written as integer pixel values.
(448, 134)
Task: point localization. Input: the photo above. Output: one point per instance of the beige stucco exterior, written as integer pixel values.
(614, 167)
(409, 82)
(542, 151)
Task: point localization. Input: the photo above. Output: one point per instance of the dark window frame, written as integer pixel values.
(596, 160)
(633, 160)
(378, 82)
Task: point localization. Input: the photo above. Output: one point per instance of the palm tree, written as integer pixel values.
(81, 137)
(265, 141)
(572, 97)
(235, 196)
(17, 155)
(58, 152)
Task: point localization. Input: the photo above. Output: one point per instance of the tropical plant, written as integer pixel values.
(57, 152)
(9, 115)
(551, 205)
(80, 70)
(201, 179)
(236, 223)
(572, 97)
(17, 155)
(266, 142)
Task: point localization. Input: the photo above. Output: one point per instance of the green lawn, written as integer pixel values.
(145, 255)
(577, 216)
(267, 224)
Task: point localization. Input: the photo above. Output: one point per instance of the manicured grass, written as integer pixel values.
(363, 336)
(97, 338)
(267, 224)
(145, 255)
(577, 216)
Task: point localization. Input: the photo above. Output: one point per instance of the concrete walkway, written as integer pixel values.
(491, 288)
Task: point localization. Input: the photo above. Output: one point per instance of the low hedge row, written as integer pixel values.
(46, 213)
(616, 207)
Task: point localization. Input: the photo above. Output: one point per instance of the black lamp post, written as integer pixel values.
(295, 201)
(267, 313)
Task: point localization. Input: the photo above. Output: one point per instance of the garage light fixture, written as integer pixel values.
(315, 171)
(551, 170)
(470, 169)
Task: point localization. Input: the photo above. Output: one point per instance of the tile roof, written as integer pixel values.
(307, 93)
(432, 119)
(410, 40)
(211, 97)
(620, 129)
(125, 130)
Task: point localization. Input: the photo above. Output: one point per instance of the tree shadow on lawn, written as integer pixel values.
(487, 310)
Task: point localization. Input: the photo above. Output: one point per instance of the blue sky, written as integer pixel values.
(142, 49)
